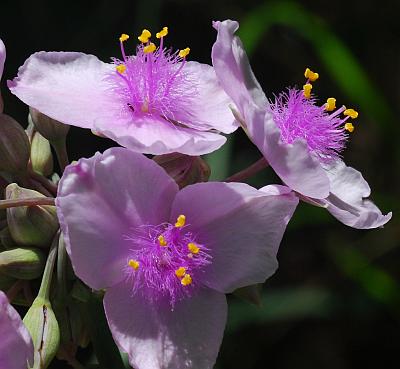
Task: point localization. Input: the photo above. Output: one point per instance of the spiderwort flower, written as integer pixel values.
(301, 140)
(167, 257)
(154, 102)
(16, 349)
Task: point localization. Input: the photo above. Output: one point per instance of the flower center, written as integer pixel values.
(298, 115)
(154, 81)
(165, 261)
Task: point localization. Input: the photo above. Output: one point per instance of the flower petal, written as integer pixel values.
(16, 348)
(152, 136)
(241, 226)
(2, 57)
(156, 336)
(210, 108)
(293, 163)
(233, 69)
(347, 201)
(66, 86)
(100, 200)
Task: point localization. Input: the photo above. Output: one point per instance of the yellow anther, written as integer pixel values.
(330, 104)
(123, 37)
(162, 33)
(309, 74)
(180, 272)
(121, 68)
(133, 264)
(186, 280)
(144, 37)
(351, 113)
(349, 127)
(193, 248)
(180, 221)
(150, 48)
(307, 90)
(184, 53)
(161, 240)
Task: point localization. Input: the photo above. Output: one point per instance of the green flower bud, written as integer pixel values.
(48, 127)
(14, 147)
(41, 156)
(6, 281)
(6, 240)
(22, 263)
(250, 294)
(184, 169)
(43, 328)
(30, 225)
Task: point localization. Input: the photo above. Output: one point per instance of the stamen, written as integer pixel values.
(180, 272)
(121, 68)
(193, 248)
(184, 53)
(124, 37)
(351, 113)
(186, 280)
(150, 48)
(180, 221)
(161, 240)
(349, 127)
(330, 104)
(307, 90)
(162, 33)
(134, 264)
(312, 76)
(144, 37)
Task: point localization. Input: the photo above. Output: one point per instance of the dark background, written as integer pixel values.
(335, 300)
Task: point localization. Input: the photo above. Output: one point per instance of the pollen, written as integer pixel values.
(351, 113)
(184, 53)
(144, 37)
(150, 48)
(349, 127)
(193, 248)
(124, 37)
(186, 280)
(180, 221)
(162, 33)
(330, 104)
(307, 90)
(134, 264)
(180, 272)
(121, 68)
(161, 240)
(309, 74)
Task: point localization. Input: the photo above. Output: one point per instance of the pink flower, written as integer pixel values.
(154, 102)
(301, 140)
(16, 348)
(2, 57)
(165, 256)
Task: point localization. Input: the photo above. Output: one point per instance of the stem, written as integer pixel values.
(49, 185)
(249, 171)
(60, 147)
(44, 291)
(32, 201)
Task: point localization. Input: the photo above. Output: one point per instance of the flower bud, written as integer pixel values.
(14, 146)
(184, 169)
(43, 328)
(6, 240)
(41, 156)
(22, 263)
(6, 281)
(48, 127)
(30, 225)
(250, 294)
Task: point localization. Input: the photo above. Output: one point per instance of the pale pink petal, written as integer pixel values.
(233, 69)
(157, 136)
(2, 57)
(100, 200)
(16, 348)
(67, 86)
(241, 226)
(348, 199)
(157, 336)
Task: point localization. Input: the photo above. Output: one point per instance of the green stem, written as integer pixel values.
(32, 201)
(249, 171)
